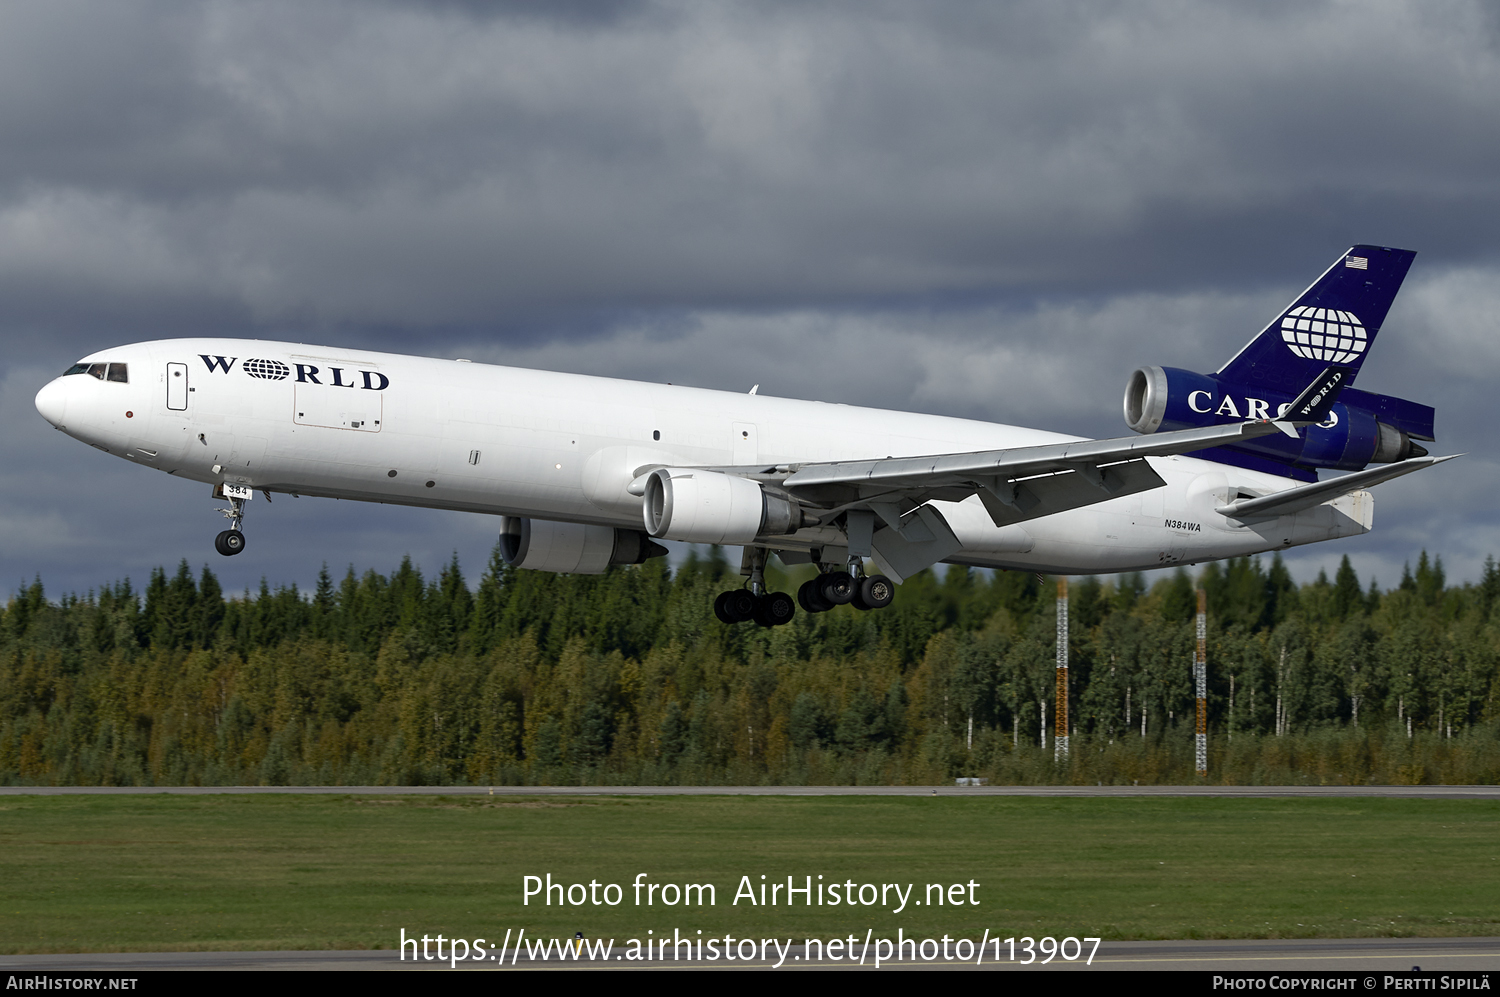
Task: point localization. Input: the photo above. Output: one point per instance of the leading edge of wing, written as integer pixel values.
(1020, 461)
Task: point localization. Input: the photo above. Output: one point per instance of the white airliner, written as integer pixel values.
(585, 471)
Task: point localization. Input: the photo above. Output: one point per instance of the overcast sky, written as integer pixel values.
(988, 210)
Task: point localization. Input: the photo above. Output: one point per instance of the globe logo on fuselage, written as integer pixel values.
(271, 370)
(1324, 334)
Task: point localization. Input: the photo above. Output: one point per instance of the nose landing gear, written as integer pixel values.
(232, 540)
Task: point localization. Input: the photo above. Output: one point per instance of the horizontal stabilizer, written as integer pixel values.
(1296, 499)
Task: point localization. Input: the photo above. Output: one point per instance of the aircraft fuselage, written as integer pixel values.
(472, 437)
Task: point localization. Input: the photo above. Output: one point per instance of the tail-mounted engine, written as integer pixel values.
(1363, 428)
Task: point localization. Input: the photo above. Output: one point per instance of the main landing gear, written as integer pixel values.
(831, 588)
(232, 540)
(841, 588)
(767, 609)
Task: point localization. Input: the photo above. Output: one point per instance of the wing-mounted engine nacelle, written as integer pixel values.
(570, 548)
(711, 507)
(1363, 428)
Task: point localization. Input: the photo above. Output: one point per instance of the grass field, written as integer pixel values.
(137, 873)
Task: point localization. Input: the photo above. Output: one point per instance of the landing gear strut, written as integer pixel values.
(232, 540)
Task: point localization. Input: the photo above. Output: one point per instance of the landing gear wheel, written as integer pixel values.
(229, 543)
(810, 599)
(735, 606)
(837, 588)
(876, 592)
(774, 609)
(721, 610)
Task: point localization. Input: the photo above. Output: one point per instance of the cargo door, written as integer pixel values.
(337, 408)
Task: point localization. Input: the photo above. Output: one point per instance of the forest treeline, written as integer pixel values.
(627, 678)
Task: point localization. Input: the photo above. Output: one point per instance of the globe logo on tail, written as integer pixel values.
(1324, 334)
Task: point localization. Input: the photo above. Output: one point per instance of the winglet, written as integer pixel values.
(1316, 400)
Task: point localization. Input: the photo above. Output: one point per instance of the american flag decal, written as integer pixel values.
(1357, 262)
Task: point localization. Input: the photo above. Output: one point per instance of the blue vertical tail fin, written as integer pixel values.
(1334, 321)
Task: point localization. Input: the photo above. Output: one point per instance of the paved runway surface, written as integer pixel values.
(1388, 792)
(1358, 957)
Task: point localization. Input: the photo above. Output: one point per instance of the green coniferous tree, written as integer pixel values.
(1348, 597)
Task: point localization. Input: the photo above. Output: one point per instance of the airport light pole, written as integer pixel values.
(1200, 679)
(1060, 738)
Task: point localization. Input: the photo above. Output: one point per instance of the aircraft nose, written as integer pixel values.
(52, 402)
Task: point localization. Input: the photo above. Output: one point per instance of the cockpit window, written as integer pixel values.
(103, 371)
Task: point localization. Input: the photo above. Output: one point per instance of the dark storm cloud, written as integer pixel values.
(413, 164)
(988, 210)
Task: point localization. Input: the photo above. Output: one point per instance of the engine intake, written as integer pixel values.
(1146, 399)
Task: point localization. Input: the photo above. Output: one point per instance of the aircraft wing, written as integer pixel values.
(1015, 484)
(1306, 496)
